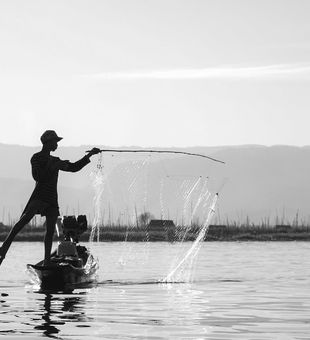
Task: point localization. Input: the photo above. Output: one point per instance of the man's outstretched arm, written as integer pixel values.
(77, 166)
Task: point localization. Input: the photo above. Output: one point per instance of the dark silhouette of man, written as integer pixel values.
(44, 198)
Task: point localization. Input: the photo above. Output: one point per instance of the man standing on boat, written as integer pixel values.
(44, 199)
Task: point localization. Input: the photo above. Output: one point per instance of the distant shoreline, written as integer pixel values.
(139, 234)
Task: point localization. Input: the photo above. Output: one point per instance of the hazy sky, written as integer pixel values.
(155, 72)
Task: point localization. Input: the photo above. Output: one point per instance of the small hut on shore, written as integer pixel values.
(283, 228)
(216, 230)
(161, 230)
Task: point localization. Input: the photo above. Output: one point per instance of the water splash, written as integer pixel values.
(98, 182)
(193, 194)
(191, 197)
(135, 178)
(183, 270)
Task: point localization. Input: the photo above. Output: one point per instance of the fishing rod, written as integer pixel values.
(163, 151)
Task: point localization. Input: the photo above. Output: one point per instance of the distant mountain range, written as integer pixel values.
(257, 182)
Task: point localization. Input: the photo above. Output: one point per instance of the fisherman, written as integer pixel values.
(44, 199)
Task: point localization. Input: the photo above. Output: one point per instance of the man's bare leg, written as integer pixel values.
(48, 239)
(25, 218)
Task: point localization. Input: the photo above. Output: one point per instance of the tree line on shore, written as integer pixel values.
(171, 233)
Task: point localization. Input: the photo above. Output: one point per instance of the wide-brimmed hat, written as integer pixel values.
(49, 135)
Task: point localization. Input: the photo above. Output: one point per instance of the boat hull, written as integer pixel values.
(63, 275)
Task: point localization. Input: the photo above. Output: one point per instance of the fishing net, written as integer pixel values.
(145, 199)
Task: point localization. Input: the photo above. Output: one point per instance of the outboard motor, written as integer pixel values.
(72, 229)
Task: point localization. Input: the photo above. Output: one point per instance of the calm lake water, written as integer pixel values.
(247, 290)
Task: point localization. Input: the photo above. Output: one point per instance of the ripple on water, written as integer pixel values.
(233, 296)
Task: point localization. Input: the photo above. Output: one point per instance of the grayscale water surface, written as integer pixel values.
(249, 290)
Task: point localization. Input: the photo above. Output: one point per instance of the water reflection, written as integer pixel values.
(59, 310)
(233, 296)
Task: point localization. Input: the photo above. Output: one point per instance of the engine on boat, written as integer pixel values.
(72, 229)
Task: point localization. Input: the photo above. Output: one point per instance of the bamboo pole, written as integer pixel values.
(163, 151)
